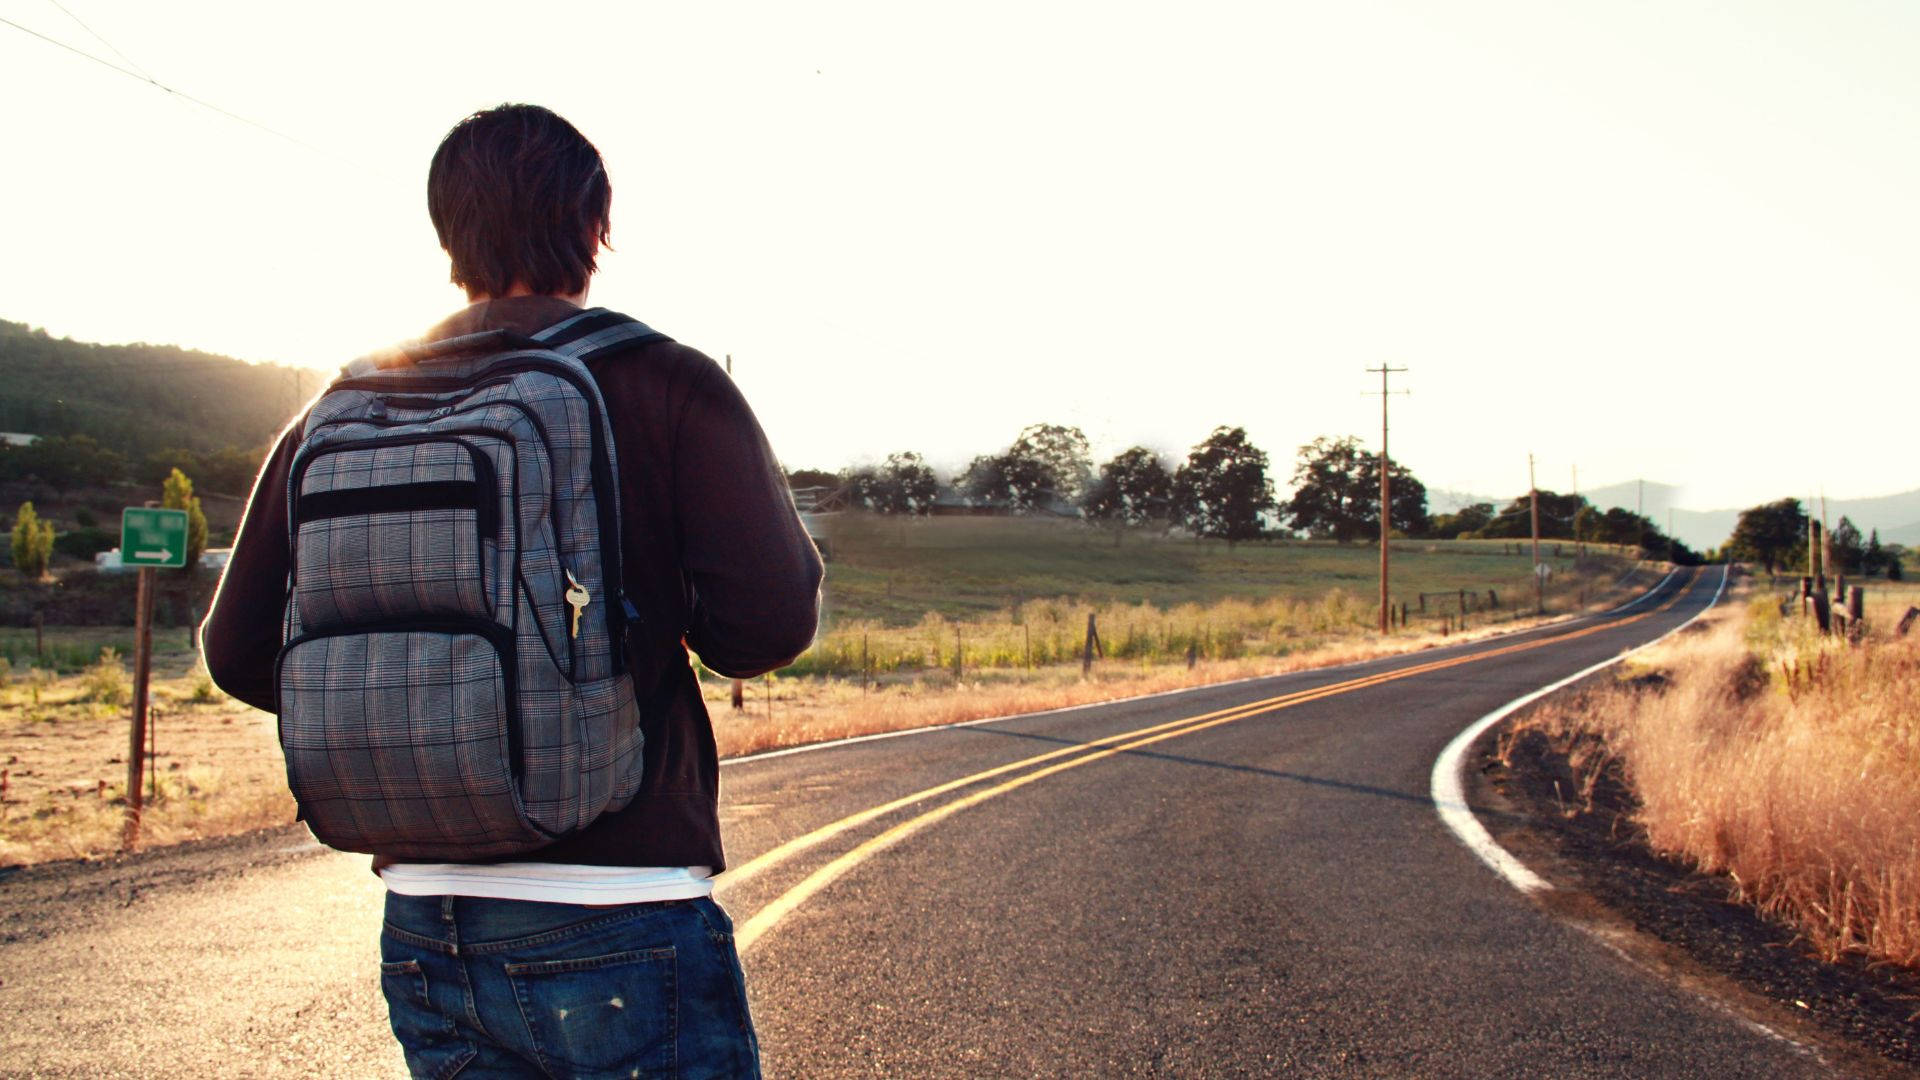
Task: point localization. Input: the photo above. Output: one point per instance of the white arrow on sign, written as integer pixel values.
(151, 554)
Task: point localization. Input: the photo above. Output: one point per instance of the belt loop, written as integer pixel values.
(453, 928)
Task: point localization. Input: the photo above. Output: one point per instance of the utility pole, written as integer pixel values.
(1826, 543)
(1539, 579)
(1813, 550)
(1579, 549)
(1386, 493)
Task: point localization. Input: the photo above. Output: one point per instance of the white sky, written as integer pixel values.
(1664, 239)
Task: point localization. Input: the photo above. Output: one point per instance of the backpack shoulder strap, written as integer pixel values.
(595, 331)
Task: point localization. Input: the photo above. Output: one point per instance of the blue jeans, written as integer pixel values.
(512, 988)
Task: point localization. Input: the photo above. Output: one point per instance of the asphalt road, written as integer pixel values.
(1240, 880)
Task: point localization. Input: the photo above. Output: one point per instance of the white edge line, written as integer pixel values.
(923, 729)
(1645, 596)
(1449, 769)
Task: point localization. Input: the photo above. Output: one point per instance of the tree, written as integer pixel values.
(1848, 551)
(1771, 534)
(1331, 494)
(32, 542)
(1047, 464)
(65, 462)
(806, 478)
(1557, 512)
(1337, 493)
(903, 485)
(177, 494)
(1464, 522)
(1622, 526)
(1132, 489)
(1223, 488)
(1874, 559)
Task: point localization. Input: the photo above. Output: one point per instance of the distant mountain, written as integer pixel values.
(138, 399)
(1896, 516)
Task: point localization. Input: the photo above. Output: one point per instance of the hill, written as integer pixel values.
(1896, 516)
(138, 400)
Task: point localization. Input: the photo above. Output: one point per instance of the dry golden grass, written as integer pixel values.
(783, 711)
(219, 769)
(1786, 760)
(63, 746)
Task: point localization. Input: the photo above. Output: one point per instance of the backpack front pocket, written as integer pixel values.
(404, 740)
(394, 532)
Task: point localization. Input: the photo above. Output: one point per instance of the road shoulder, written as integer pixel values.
(1685, 926)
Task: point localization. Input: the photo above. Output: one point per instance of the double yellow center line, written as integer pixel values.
(1095, 750)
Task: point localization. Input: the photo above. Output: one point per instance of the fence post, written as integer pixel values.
(739, 694)
(1822, 613)
(1493, 599)
(1093, 642)
(1423, 603)
(1856, 611)
(863, 661)
(1906, 622)
(959, 654)
(1193, 654)
(1463, 601)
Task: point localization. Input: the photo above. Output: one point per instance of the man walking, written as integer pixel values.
(602, 952)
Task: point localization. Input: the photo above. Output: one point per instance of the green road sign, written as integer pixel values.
(153, 537)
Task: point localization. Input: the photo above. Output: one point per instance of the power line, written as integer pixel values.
(181, 94)
(101, 40)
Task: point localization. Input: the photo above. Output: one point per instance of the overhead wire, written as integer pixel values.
(96, 36)
(140, 76)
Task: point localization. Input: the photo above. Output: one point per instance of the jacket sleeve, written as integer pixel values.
(753, 575)
(241, 637)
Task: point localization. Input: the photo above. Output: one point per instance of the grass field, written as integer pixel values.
(1010, 597)
(893, 571)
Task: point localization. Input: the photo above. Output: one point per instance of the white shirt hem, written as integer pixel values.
(551, 883)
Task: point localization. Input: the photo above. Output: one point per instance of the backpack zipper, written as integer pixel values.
(606, 496)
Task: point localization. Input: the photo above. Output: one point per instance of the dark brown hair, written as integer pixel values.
(519, 196)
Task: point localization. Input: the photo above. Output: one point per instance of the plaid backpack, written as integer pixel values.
(452, 684)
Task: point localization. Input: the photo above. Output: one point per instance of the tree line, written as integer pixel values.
(109, 414)
(75, 461)
(1222, 489)
(1777, 535)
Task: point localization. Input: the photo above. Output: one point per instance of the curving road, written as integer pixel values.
(1239, 880)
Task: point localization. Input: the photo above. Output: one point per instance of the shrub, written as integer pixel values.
(105, 680)
(177, 494)
(32, 542)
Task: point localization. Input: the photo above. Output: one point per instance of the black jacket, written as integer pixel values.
(714, 557)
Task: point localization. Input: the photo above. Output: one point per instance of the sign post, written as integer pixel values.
(149, 537)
